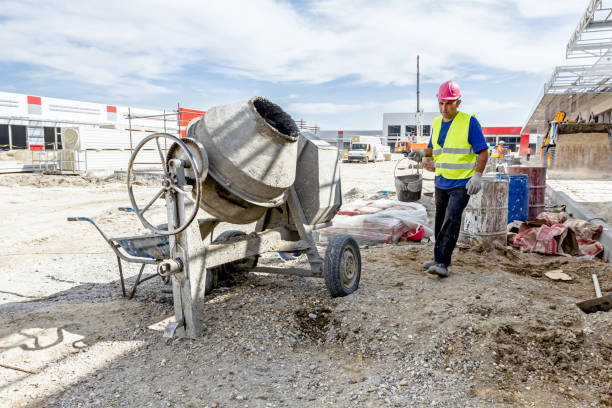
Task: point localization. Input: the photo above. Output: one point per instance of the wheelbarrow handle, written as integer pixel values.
(92, 222)
(80, 219)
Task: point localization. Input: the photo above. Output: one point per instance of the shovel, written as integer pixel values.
(598, 304)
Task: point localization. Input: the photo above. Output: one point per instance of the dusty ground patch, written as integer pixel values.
(496, 333)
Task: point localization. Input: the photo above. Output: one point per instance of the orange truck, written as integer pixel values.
(403, 146)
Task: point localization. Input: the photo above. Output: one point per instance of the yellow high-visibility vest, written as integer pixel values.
(456, 160)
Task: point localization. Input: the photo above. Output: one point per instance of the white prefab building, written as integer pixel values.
(102, 136)
(403, 126)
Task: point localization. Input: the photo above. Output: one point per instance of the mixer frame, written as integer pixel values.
(191, 259)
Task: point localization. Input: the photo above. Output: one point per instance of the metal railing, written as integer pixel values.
(66, 161)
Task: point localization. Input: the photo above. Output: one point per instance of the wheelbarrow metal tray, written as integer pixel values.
(146, 246)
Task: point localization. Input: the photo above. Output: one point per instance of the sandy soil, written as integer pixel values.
(495, 333)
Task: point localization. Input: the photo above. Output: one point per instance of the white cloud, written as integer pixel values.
(478, 77)
(327, 108)
(142, 47)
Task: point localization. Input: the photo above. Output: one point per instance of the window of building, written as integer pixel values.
(4, 137)
(18, 133)
(394, 130)
(426, 130)
(53, 138)
(411, 130)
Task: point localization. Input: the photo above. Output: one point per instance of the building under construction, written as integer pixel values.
(573, 112)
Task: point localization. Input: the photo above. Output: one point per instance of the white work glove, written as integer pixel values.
(474, 184)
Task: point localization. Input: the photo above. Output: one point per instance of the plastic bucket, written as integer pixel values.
(408, 186)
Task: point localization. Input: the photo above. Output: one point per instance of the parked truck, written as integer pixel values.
(365, 149)
(404, 146)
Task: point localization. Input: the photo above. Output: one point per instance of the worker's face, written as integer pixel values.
(448, 109)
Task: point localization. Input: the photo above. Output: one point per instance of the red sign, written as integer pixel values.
(111, 109)
(185, 116)
(501, 130)
(524, 145)
(34, 100)
(341, 132)
(37, 147)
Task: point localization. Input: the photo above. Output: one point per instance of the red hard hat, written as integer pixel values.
(449, 91)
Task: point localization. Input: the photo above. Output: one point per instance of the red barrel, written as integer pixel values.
(537, 187)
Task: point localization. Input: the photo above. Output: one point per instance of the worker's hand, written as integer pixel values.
(416, 155)
(474, 184)
(428, 164)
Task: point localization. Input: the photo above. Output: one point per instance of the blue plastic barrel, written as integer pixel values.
(518, 197)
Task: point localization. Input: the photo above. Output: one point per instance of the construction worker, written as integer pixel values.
(499, 150)
(458, 154)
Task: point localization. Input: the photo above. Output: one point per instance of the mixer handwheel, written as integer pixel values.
(342, 269)
(177, 173)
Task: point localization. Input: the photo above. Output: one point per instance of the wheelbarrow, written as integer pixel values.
(148, 249)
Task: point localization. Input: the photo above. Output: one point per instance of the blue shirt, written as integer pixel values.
(475, 138)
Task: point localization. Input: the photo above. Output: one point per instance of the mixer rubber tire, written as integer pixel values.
(342, 268)
(223, 271)
(211, 281)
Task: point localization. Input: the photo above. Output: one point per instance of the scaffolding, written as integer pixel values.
(593, 35)
(591, 40)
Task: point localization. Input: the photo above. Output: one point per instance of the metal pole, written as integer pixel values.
(10, 135)
(165, 139)
(418, 87)
(130, 126)
(419, 113)
(178, 117)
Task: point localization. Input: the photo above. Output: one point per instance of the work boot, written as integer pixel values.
(438, 269)
(428, 264)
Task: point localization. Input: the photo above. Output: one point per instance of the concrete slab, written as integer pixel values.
(594, 195)
(576, 209)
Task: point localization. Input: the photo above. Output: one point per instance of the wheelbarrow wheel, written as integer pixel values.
(223, 272)
(342, 268)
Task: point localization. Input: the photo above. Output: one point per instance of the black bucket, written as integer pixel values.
(409, 186)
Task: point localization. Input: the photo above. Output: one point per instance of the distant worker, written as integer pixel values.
(499, 150)
(529, 153)
(458, 153)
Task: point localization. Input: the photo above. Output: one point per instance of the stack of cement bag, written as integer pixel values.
(380, 221)
(554, 234)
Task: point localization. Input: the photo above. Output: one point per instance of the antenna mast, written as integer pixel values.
(419, 114)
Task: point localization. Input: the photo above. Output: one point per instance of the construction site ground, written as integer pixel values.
(496, 333)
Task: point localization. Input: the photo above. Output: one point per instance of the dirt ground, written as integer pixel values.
(496, 333)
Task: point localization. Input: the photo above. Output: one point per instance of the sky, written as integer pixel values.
(338, 64)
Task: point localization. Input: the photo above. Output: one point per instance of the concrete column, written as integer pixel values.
(10, 133)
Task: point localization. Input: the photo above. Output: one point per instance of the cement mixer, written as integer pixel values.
(241, 163)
